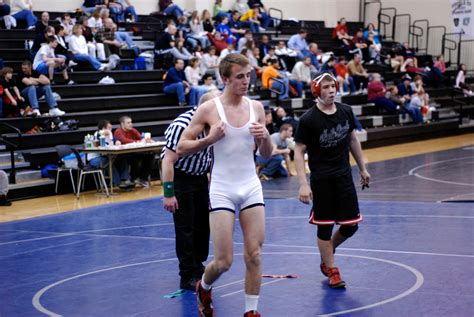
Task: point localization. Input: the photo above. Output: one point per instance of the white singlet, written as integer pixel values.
(234, 182)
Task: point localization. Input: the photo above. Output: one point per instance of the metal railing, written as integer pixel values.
(466, 53)
(400, 28)
(12, 144)
(385, 22)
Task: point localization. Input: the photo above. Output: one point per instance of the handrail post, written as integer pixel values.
(12, 178)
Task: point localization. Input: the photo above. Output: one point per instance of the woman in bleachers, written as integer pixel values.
(377, 94)
(127, 9)
(461, 81)
(218, 11)
(94, 48)
(193, 76)
(95, 21)
(79, 49)
(179, 51)
(22, 10)
(197, 33)
(62, 50)
(42, 23)
(67, 23)
(341, 33)
(206, 20)
(210, 64)
(374, 36)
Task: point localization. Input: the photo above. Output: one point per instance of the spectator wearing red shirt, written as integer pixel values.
(141, 163)
(346, 81)
(377, 94)
(341, 33)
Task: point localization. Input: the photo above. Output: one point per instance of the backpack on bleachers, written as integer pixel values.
(140, 63)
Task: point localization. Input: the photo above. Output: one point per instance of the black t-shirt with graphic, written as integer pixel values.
(327, 138)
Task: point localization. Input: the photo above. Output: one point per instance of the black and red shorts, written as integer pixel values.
(334, 201)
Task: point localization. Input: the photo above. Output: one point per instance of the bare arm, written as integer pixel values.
(167, 166)
(43, 80)
(188, 143)
(260, 132)
(305, 194)
(356, 151)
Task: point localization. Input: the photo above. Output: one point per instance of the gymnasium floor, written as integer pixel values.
(413, 255)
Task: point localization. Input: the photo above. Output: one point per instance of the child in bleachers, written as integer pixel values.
(46, 62)
(13, 102)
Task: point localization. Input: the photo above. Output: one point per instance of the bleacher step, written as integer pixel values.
(27, 176)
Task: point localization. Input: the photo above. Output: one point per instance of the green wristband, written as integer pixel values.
(168, 189)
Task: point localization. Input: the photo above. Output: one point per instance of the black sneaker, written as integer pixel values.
(4, 201)
(188, 284)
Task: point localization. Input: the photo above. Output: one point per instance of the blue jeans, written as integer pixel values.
(86, 58)
(385, 103)
(199, 91)
(350, 86)
(298, 85)
(413, 112)
(266, 19)
(254, 27)
(33, 93)
(4, 10)
(174, 10)
(120, 169)
(176, 88)
(125, 37)
(88, 10)
(272, 167)
(26, 15)
(281, 87)
(128, 10)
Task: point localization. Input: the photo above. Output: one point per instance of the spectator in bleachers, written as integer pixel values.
(273, 167)
(62, 50)
(405, 104)
(179, 51)
(41, 25)
(359, 46)
(229, 49)
(5, 14)
(302, 72)
(236, 25)
(193, 76)
(106, 36)
(377, 94)
(279, 81)
(89, 6)
(264, 17)
(4, 189)
(67, 23)
(218, 11)
(169, 8)
(358, 72)
(141, 163)
(269, 56)
(127, 9)
(372, 31)
(240, 6)
(183, 27)
(431, 76)
(405, 88)
(208, 83)
(269, 124)
(210, 64)
(95, 21)
(314, 55)
(286, 55)
(328, 66)
(285, 115)
(46, 62)
(120, 168)
(197, 33)
(341, 33)
(461, 81)
(33, 86)
(346, 82)
(219, 41)
(440, 63)
(264, 46)
(124, 38)
(40, 39)
(12, 103)
(163, 44)
(206, 20)
(409, 52)
(246, 41)
(256, 70)
(176, 83)
(250, 19)
(22, 10)
(421, 100)
(297, 43)
(80, 49)
(224, 28)
(115, 9)
(95, 49)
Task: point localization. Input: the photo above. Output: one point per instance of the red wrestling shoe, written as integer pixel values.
(204, 301)
(252, 313)
(324, 268)
(335, 280)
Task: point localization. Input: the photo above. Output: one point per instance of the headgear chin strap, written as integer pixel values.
(315, 83)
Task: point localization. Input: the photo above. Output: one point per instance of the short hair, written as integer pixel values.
(273, 60)
(123, 118)
(285, 127)
(392, 87)
(48, 28)
(26, 63)
(58, 28)
(65, 15)
(103, 124)
(342, 58)
(177, 60)
(50, 39)
(6, 70)
(206, 76)
(225, 66)
(302, 31)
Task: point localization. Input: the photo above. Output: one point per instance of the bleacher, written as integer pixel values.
(139, 94)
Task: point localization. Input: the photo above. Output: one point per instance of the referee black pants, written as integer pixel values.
(191, 223)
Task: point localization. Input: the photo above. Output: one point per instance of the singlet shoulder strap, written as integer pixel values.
(220, 109)
(252, 111)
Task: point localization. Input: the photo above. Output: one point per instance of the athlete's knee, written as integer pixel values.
(348, 230)
(325, 232)
(253, 258)
(223, 264)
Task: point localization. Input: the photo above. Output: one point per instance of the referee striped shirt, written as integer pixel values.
(194, 164)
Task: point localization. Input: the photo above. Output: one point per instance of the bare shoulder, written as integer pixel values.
(259, 110)
(206, 113)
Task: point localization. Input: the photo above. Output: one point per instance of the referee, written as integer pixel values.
(185, 187)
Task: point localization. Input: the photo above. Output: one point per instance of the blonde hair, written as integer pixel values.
(225, 66)
(75, 28)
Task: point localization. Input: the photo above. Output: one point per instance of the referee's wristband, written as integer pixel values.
(168, 189)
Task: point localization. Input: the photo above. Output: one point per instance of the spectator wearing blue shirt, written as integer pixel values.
(314, 55)
(405, 88)
(328, 67)
(175, 83)
(236, 25)
(224, 29)
(297, 43)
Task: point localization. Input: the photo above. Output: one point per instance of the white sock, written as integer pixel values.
(251, 302)
(205, 286)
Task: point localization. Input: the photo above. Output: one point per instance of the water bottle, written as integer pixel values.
(102, 141)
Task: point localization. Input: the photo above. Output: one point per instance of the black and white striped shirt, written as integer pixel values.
(194, 164)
